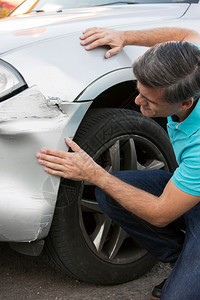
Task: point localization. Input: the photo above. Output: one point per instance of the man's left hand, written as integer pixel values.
(76, 165)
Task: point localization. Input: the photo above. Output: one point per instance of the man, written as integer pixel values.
(154, 207)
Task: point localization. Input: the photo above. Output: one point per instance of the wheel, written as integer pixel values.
(85, 242)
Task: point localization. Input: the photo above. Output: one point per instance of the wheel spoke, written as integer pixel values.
(99, 236)
(140, 167)
(151, 165)
(133, 155)
(89, 205)
(115, 157)
(116, 241)
(154, 164)
(130, 155)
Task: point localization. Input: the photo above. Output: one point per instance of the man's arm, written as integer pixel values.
(78, 165)
(95, 37)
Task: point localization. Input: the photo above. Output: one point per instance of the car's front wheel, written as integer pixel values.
(83, 241)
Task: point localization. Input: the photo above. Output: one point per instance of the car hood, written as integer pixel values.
(24, 30)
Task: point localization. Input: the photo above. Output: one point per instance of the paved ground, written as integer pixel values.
(24, 277)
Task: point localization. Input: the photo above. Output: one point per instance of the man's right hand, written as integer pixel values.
(96, 36)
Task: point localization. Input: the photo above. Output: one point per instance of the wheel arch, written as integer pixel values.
(117, 89)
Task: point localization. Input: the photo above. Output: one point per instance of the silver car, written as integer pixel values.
(51, 88)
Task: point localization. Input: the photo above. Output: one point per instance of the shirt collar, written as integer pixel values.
(191, 124)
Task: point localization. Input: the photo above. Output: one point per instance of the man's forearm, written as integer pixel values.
(138, 202)
(152, 37)
(78, 165)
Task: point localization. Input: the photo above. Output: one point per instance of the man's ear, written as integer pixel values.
(187, 104)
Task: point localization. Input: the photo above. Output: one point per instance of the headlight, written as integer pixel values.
(10, 81)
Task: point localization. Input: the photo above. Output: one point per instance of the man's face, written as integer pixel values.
(152, 104)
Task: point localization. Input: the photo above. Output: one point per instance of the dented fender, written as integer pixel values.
(28, 194)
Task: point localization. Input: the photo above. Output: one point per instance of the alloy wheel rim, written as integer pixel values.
(107, 240)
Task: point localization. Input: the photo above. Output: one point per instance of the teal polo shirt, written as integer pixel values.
(185, 139)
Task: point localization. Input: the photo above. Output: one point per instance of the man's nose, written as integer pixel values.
(139, 100)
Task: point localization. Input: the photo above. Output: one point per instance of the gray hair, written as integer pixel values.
(173, 66)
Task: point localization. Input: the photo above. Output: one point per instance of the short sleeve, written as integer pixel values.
(187, 176)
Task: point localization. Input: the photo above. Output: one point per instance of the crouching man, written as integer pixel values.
(155, 206)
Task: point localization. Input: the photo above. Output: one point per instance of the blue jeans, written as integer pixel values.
(167, 244)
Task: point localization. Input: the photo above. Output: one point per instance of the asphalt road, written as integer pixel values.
(23, 277)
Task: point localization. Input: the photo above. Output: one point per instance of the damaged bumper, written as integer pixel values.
(28, 194)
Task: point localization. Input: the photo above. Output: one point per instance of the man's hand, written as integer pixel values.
(95, 37)
(77, 165)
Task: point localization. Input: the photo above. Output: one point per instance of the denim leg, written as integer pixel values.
(164, 243)
(184, 281)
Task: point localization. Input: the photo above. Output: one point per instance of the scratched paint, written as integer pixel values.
(28, 194)
(28, 104)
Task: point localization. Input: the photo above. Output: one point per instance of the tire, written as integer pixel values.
(83, 241)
